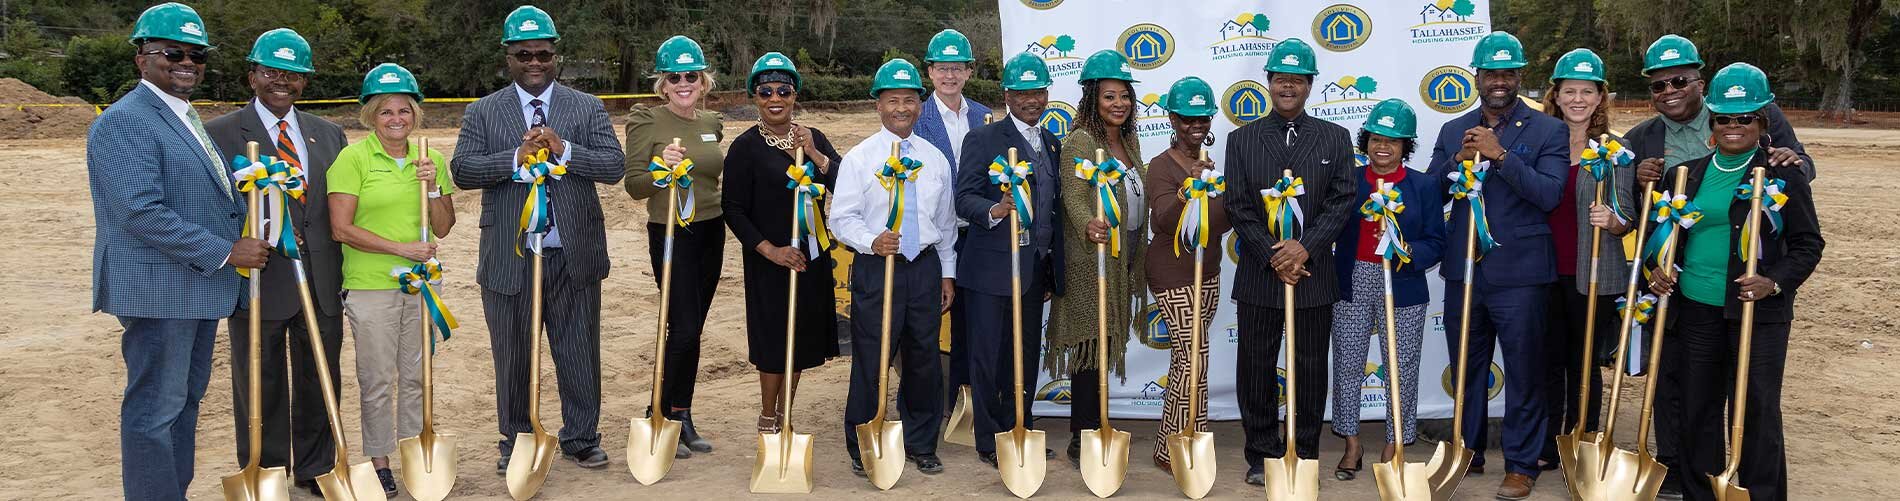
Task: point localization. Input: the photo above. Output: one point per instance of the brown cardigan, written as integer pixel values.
(1165, 270)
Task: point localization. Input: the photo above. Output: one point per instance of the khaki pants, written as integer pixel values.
(386, 326)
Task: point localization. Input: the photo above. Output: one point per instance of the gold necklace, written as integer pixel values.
(781, 142)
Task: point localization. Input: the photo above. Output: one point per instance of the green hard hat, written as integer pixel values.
(389, 78)
(528, 22)
(772, 61)
(1392, 118)
(896, 74)
(949, 46)
(1191, 97)
(1026, 72)
(1738, 88)
(1578, 64)
(1498, 51)
(171, 21)
(1670, 51)
(1292, 56)
(678, 55)
(1106, 63)
(282, 49)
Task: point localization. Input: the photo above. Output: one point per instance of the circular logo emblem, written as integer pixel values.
(1341, 28)
(1448, 89)
(1056, 392)
(1279, 384)
(1233, 248)
(1245, 101)
(1493, 381)
(1057, 117)
(1155, 332)
(1041, 4)
(1147, 46)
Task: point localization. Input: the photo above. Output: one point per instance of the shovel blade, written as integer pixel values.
(1447, 467)
(356, 483)
(1632, 477)
(1728, 488)
(428, 465)
(1293, 479)
(258, 484)
(529, 462)
(1569, 456)
(1586, 474)
(1021, 459)
(962, 428)
(1403, 481)
(783, 465)
(881, 449)
(1193, 462)
(1104, 460)
(651, 442)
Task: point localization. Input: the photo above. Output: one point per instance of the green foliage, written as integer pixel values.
(896, 53)
(98, 69)
(28, 57)
(1260, 22)
(1366, 85)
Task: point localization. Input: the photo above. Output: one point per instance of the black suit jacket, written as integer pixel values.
(983, 249)
(1646, 139)
(1321, 155)
(322, 256)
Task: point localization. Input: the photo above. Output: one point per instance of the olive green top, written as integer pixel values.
(649, 130)
(1071, 331)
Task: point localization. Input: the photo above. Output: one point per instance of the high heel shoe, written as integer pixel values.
(1343, 473)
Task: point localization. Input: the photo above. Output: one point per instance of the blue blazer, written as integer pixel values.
(930, 126)
(1422, 222)
(982, 251)
(164, 224)
(1519, 193)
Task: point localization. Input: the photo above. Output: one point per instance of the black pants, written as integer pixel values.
(992, 357)
(1711, 345)
(570, 313)
(1259, 386)
(1563, 360)
(699, 253)
(1668, 415)
(296, 428)
(916, 317)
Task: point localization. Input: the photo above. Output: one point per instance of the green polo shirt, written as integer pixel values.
(1683, 142)
(386, 192)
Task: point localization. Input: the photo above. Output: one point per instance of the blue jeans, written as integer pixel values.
(167, 365)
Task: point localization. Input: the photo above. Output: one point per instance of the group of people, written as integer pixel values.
(922, 192)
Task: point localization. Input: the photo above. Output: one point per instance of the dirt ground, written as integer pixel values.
(63, 374)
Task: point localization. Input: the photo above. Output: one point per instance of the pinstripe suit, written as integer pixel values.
(492, 128)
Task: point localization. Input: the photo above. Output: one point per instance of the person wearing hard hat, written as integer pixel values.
(1527, 154)
(295, 425)
(167, 216)
(681, 77)
(1191, 108)
(924, 246)
(1388, 138)
(755, 200)
(1320, 154)
(1715, 280)
(945, 118)
(376, 213)
(501, 131)
(983, 277)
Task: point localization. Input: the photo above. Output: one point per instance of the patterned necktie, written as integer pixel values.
(287, 146)
(910, 242)
(540, 117)
(204, 140)
(1035, 139)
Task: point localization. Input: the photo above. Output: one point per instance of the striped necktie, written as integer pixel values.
(287, 145)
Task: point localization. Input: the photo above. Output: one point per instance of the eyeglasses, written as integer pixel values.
(529, 57)
(765, 91)
(1742, 120)
(1680, 82)
(174, 54)
(675, 78)
(277, 74)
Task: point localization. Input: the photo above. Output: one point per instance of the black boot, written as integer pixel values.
(689, 435)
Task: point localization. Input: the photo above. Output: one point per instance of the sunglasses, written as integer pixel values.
(529, 57)
(765, 91)
(675, 78)
(1680, 82)
(174, 54)
(1742, 120)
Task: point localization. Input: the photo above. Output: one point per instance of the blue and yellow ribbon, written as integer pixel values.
(278, 182)
(1106, 178)
(1283, 205)
(896, 172)
(1193, 228)
(679, 175)
(424, 278)
(1600, 160)
(1014, 181)
(1672, 210)
(808, 206)
(537, 214)
(1467, 183)
(1772, 200)
(1645, 307)
(1383, 207)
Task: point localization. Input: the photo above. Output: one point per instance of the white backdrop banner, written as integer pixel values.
(1368, 51)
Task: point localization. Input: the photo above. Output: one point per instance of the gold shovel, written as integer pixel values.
(652, 440)
(1105, 450)
(881, 442)
(1191, 449)
(784, 461)
(1022, 462)
(255, 483)
(533, 455)
(1579, 464)
(961, 428)
(1451, 459)
(428, 459)
(1638, 476)
(1289, 477)
(1727, 487)
(1397, 479)
(1598, 474)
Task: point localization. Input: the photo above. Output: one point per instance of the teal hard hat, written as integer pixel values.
(1578, 64)
(1498, 51)
(772, 61)
(171, 21)
(528, 22)
(389, 78)
(1670, 51)
(1190, 97)
(1392, 118)
(896, 74)
(1738, 88)
(679, 55)
(1106, 63)
(1026, 72)
(948, 46)
(1292, 56)
(283, 49)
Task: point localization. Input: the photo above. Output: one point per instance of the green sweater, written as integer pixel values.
(649, 130)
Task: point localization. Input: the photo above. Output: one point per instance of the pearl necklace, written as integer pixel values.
(1744, 163)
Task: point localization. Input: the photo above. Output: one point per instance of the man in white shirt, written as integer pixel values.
(923, 248)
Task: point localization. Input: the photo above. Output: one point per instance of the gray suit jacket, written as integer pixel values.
(322, 257)
(485, 160)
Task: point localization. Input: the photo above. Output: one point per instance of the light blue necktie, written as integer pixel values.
(910, 242)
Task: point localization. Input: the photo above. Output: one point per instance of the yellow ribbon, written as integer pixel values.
(680, 175)
(1194, 227)
(537, 214)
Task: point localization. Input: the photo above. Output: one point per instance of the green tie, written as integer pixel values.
(204, 140)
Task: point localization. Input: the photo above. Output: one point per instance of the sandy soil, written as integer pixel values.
(63, 375)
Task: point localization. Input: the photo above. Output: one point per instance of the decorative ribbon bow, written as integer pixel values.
(1107, 179)
(273, 178)
(1195, 218)
(679, 175)
(808, 205)
(897, 171)
(1601, 160)
(1283, 205)
(1645, 306)
(1383, 207)
(1014, 181)
(423, 279)
(1772, 199)
(1672, 210)
(1467, 183)
(537, 215)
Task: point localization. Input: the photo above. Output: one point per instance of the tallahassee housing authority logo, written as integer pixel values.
(1041, 4)
(1246, 101)
(1447, 89)
(1243, 36)
(1147, 45)
(1056, 51)
(1493, 381)
(1348, 98)
(1057, 117)
(1341, 28)
(1443, 21)
(1151, 118)
(1056, 392)
(1155, 332)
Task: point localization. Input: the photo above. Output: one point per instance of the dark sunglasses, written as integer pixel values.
(174, 54)
(1742, 120)
(1680, 82)
(675, 78)
(765, 91)
(529, 57)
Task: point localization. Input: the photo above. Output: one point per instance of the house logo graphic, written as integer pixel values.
(1156, 389)
(1057, 52)
(1446, 21)
(285, 53)
(1057, 117)
(1243, 36)
(1342, 28)
(1348, 98)
(1245, 101)
(1448, 89)
(1155, 332)
(1151, 117)
(1147, 45)
(1493, 381)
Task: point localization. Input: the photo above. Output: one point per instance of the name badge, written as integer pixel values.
(708, 138)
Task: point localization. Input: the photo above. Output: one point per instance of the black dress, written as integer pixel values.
(757, 207)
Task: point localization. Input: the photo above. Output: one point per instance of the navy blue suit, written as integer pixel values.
(1424, 230)
(1509, 295)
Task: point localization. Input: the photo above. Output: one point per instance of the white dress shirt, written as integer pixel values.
(553, 238)
(270, 124)
(860, 204)
(956, 123)
(182, 109)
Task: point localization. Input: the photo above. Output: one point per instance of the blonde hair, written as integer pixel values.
(367, 115)
(706, 82)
